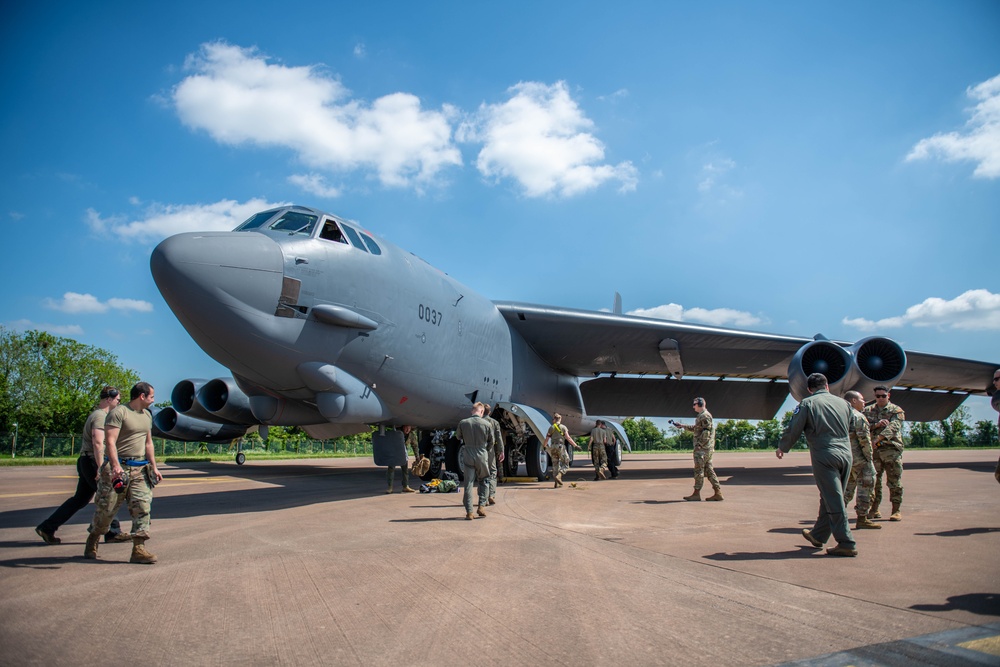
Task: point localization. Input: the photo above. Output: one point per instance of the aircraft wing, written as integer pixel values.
(586, 343)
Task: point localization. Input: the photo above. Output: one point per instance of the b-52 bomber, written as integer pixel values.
(328, 327)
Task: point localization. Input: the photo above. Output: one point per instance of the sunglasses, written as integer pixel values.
(881, 395)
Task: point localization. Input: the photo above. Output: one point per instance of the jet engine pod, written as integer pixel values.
(184, 399)
(223, 398)
(176, 426)
(876, 361)
(819, 356)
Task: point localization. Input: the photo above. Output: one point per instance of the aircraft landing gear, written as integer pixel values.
(241, 458)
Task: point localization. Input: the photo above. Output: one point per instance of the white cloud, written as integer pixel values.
(56, 329)
(238, 97)
(162, 220)
(715, 316)
(979, 143)
(713, 171)
(540, 138)
(73, 302)
(975, 310)
(314, 184)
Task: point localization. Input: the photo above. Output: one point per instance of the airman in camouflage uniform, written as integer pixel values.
(862, 469)
(886, 423)
(555, 445)
(476, 436)
(130, 457)
(704, 446)
(599, 450)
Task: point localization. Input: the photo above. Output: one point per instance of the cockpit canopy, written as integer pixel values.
(301, 221)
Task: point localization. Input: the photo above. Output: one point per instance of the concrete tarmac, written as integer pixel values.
(311, 563)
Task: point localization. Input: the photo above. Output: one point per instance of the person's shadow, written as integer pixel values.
(801, 552)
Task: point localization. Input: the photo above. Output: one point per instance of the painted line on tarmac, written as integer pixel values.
(167, 482)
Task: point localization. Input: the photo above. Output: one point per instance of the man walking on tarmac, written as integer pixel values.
(704, 446)
(476, 436)
(826, 421)
(129, 472)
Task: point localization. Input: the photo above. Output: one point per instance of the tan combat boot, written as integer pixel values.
(865, 522)
(895, 516)
(90, 551)
(558, 479)
(139, 553)
(479, 510)
(718, 495)
(468, 516)
(694, 496)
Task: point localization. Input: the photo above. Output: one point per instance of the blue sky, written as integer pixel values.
(788, 167)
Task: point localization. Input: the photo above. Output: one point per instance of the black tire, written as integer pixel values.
(451, 458)
(425, 448)
(569, 452)
(536, 460)
(618, 454)
(241, 458)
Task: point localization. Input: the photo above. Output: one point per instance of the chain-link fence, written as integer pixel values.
(63, 445)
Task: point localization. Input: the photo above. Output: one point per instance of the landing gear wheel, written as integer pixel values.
(510, 463)
(241, 458)
(618, 454)
(569, 452)
(536, 459)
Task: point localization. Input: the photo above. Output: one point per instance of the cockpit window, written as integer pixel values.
(355, 239)
(255, 221)
(331, 232)
(372, 246)
(294, 222)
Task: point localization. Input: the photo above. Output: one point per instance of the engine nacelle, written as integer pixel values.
(819, 356)
(176, 426)
(876, 361)
(867, 363)
(184, 398)
(223, 398)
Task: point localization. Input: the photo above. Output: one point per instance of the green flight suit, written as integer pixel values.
(826, 419)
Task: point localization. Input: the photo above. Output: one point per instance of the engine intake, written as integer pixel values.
(866, 364)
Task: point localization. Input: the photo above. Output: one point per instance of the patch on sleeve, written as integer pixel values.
(796, 410)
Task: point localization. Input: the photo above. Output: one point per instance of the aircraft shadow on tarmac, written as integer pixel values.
(986, 604)
(293, 486)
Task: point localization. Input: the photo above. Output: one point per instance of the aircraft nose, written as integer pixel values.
(203, 273)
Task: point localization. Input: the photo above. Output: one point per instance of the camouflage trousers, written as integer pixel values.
(560, 459)
(890, 460)
(138, 493)
(390, 476)
(599, 456)
(863, 479)
(703, 468)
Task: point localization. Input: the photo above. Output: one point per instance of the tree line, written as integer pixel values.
(955, 431)
(49, 384)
